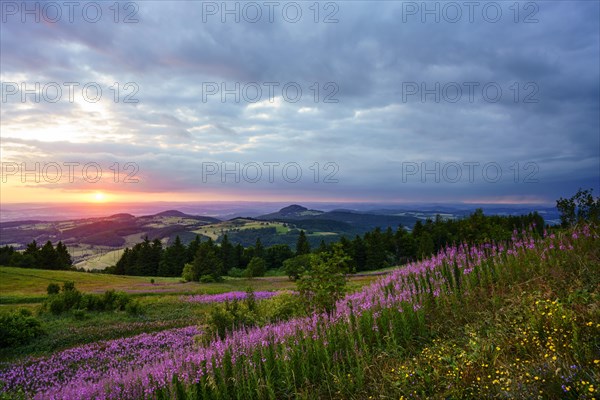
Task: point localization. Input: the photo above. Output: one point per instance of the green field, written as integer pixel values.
(163, 309)
(215, 230)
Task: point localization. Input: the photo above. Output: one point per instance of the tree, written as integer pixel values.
(192, 249)
(125, 263)
(277, 254)
(359, 253)
(64, 258)
(256, 267)
(426, 246)
(173, 259)
(6, 253)
(302, 245)
(207, 263)
(294, 267)
(376, 254)
(580, 207)
(31, 255)
(325, 282)
(48, 259)
(259, 250)
(227, 255)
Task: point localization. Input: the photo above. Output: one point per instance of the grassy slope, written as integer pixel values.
(29, 285)
(536, 337)
(523, 326)
(26, 288)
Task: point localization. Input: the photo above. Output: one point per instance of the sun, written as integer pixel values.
(99, 197)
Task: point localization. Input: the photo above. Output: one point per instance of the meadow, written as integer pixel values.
(160, 297)
(501, 320)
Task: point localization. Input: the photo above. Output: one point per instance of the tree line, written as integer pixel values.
(35, 256)
(209, 261)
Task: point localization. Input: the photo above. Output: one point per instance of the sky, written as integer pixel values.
(349, 101)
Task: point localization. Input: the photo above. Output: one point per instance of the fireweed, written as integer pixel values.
(223, 297)
(169, 365)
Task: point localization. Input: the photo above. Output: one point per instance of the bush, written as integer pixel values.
(236, 272)
(207, 279)
(91, 302)
(281, 307)
(189, 274)
(256, 267)
(134, 307)
(53, 288)
(79, 314)
(19, 328)
(294, 267)
(56, 305)
(325, 283)
(230, 316)
(72, 299)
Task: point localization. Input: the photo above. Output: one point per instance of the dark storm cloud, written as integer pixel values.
(547, 114)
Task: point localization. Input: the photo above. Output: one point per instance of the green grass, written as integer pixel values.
(215, 230)
(33, 282)
(24, 285)
(519, 326)
(163, 309)
(101, 261)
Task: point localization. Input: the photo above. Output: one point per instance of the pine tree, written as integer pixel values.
(64, 258)
(259, 250)
(31, 255)
(302, 245)
(192, 249)
(48, 259)
(206, 262)
(173, 259)
(227, 256)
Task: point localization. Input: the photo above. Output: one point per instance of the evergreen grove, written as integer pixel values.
(209, 261)
(34, 256)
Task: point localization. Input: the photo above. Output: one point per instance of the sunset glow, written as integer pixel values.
(99, 197)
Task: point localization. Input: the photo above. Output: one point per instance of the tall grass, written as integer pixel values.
(336, 355)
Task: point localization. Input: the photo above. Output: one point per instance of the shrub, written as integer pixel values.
(230, 316)
(189, 273)
(53, 288)
(325, 283)
(294, 267)
(281, 307)
(79, 314)
(134, 307)
(91, 302)
(236, 272)
(19, 328)
(207, 279)
(72, 299)
(56, 304)
(256, 267)
(220, 321)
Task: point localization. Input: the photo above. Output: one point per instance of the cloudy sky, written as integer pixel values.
(335, 101)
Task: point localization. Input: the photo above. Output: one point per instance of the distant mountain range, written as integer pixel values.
(342, 221)
(89, 238)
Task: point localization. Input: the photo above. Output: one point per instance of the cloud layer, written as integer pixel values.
(390, 101)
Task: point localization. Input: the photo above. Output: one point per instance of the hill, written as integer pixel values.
(89, 238)
(340, 221)
(510, 320)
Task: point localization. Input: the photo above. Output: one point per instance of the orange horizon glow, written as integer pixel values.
(11, 193)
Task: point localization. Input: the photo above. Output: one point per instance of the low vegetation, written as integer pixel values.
(508, 318)
(481, 313)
